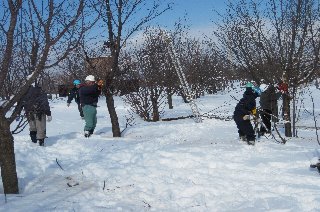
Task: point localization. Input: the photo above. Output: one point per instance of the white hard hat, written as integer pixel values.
(90, 78)
(264, 87)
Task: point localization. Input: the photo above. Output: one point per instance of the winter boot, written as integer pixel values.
(261, 133)
(91, 132)
(33, 136)
(87, 134)
(41, 142)
(251, 142)
(317, 165)
(243, 138)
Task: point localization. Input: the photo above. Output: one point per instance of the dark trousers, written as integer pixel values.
(266, 119)
(80, 110)
(245, 128)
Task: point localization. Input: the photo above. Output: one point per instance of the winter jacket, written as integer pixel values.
(246, 105)
(89, 94)
(74, 94)
(36, 101)
(269, 98)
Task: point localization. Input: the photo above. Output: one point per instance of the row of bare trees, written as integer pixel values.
(274, 41)
(152, 65)
(35, 36)
(269, 40)
(147, 69)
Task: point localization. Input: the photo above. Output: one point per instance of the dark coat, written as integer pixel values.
(246, 104)
(269, 99)
(89, 94)
(36, 101)
(74, 94)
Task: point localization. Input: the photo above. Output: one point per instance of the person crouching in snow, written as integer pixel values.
(89, 95)
(246, 107)
(74, 94)
(37, 109)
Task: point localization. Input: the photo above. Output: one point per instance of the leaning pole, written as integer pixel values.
(182, 78)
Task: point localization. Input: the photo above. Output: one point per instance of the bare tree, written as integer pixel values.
(73, 67)
(206, 67)
(7, 160)
(152, 66)
(275, 41)
(50, 33)
(119, 14)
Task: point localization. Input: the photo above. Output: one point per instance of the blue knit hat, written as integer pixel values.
(76, 82)
(249, 85)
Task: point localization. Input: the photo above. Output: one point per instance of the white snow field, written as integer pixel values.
(167, 165)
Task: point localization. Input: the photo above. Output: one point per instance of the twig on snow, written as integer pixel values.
(59, 164)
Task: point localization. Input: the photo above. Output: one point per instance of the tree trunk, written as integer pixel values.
(286, 115)
(294, 115)
(155, 111)
(7, 158)
(169, 96)
(155, 108)
(184, 97)
(170, 103)
(113, 115)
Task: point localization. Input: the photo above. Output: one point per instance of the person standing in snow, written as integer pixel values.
(37, 109)
(74, 94)
(269, 106)
(89, 95)
(243, 110)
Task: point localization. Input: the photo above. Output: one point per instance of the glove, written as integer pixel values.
(254, 111)
(246, 117)
(49, 118)
(68, 104)
(100, 83)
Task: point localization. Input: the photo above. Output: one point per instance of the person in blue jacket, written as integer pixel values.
(74, 94)
(89, 95)
(243, 110)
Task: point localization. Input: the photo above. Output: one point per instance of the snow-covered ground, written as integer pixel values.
(165, 166)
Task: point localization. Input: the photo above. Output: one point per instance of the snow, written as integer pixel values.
(164, 166)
